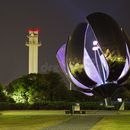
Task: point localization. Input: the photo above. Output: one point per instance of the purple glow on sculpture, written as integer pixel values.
(125, 69)
(104, 66)
(88, 94)
(128, 54)
(95, 56)
(61, 58)
(127, 64)
(90, 68)
(91, 44)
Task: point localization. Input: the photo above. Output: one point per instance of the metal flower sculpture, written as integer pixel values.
(96, 57)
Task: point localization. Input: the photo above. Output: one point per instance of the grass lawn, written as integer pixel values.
(114, 122)
(40, 119)
(30, 120)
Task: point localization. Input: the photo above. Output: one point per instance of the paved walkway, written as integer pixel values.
(78, 122)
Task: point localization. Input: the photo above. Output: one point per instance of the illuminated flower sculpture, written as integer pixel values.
(96, 57)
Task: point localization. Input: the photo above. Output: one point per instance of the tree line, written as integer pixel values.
(39, 88)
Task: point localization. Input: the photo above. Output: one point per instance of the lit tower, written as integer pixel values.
(33, 44)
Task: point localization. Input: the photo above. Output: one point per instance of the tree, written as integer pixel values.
(27, 89)
(3, 97)
(37, 88)
(57, 89)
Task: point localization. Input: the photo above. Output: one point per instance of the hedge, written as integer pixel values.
(57, 105)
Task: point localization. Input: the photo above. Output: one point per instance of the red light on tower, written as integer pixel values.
(30, 30)
(35, 30)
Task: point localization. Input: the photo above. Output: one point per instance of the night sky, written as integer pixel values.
(56, 20)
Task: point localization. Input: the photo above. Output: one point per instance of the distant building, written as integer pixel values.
(33, 44)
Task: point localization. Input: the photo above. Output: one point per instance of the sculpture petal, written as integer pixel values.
(61, 58)
(95, 64)
(127, 64)
(110, 38)
(74, 56)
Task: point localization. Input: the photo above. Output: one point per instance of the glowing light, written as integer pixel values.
(95, 43)
(119, 99)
